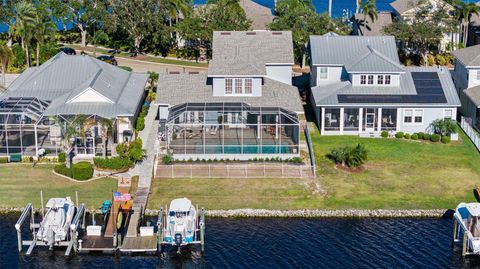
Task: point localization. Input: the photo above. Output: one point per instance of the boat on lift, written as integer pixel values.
(55, 226)
(467, 222)
(182, 225)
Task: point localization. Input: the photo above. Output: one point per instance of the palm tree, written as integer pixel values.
(369, 9)
(106, 133)
(174, 8)
(5, 56)
(464, 13)
(23, 27)
(70, 129)
(44, 29)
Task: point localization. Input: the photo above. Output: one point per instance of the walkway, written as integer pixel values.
(144, 170)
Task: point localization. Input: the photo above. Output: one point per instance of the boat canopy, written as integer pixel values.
(180, 204)
(58, 202)
(474, 209)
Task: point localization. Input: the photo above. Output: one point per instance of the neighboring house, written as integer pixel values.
(360, 87)
(466, 76)
(244, 108)
(407, 10)
(366, 27)
(63, 87)
(259, 15)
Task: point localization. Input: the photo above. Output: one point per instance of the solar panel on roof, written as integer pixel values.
(428, 86)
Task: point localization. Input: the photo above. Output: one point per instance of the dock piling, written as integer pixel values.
(464, 246)
(202, 228)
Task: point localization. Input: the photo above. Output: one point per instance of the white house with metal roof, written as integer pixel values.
(42, 98)
(466, 76)
(243, 108)
(359, 86)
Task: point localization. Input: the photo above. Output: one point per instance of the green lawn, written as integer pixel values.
(21, 184)
(401, 174)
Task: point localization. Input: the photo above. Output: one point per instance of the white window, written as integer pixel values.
(323, 72)
(418, 116)
(448, 114)
(388, 79)
(228, 86)
(370, 80)
(238, 86)
(248, 86)
(478, 74)
(407, 115)
(380, 80)
(363, 79)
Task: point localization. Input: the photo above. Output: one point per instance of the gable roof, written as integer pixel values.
(402, 6)
(342, 50)
(247, 52)
(260, 16)
(469, 56)
(64, 78)
(474, 95)
(372, 28)
(374, 62)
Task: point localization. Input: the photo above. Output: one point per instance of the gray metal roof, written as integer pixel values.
(328, 95)
(374, 28)
(246, 53)
(64, 77)
(176, 89)
(469, 56)
(342, 50)
(473, 94)
(374, 62)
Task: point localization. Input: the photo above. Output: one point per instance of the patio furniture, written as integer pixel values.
(15, 157)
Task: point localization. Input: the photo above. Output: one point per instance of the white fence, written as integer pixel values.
(265, 170)
(470, 131)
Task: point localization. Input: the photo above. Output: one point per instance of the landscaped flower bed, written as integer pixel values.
(79, 171)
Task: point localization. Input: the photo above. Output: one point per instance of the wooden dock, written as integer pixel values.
(97, 243)
(139, 244)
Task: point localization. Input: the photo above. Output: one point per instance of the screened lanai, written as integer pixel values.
(231, 128)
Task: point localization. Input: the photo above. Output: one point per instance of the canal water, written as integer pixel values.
(279, 243)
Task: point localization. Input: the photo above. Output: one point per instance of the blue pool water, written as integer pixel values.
(280, 243)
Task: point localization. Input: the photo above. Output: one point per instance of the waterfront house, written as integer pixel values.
(359, 86)
(364, 26)
(244, 107)
(466, 76)
(42, 99)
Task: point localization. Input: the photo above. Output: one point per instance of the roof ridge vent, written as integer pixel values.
(251, 33)
(370, 48)
(224, 33)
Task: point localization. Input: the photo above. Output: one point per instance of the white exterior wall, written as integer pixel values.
(394, 81)
(472, 77)
(282, 73)
(429, 115)
(123, 124)
(334, 75)
(219, 87)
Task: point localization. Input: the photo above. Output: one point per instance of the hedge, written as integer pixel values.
(446, 139)
(384, 134)
(414, 137)
(115, 163)
(62, 157)
(3, 159)
(426, 136)
(399, 135)
(140, 123)
(435, 137)
(407, 136)
(79, 171)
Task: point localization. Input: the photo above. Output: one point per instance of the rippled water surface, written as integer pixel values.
(280, 243)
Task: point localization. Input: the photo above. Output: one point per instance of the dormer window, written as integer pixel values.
(238, 86)
(363, 79)
(248, 86)
(388, 79)
(228, 86)
(370, 79)
(380, 80)
(478, 74)
(323, 72)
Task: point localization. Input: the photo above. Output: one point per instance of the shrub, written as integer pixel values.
(82, 170)
(115, 163)
(349, 156)
(399, 135)
(426, 136)
(414, 137)
(62, 157)
(407, 136)
(140, 123)
(420, 135)
(62, 170)
(430, 60)
(384, 134)
(435, 137)
(296, 160)
(446, 139)
(4, 159)
(440, 60)
(444, 127)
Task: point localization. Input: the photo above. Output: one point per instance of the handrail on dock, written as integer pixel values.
(23, 216)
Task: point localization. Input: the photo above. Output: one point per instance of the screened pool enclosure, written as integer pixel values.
(234, 129)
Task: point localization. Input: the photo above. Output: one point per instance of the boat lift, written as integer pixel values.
(72, 242)
(199, 235)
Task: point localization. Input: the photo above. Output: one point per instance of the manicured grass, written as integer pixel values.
(22, 183)
(400, 174)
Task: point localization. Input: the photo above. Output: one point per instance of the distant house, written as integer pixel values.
(467, 81)
(43, 98)
(360, 87)
(243, 108)
(367, 27)
(407, 10)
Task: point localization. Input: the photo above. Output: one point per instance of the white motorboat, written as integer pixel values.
(467, 220)
(181, 223)
(55, 226)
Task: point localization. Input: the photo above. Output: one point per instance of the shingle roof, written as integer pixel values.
(246, 53)
(473, 94)
(176, 89)
(342, 50)
(64, 77)
(469, 56)
(374, 62)
(374, 28)
(260, 16)
(328, 95)
(404, 5)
